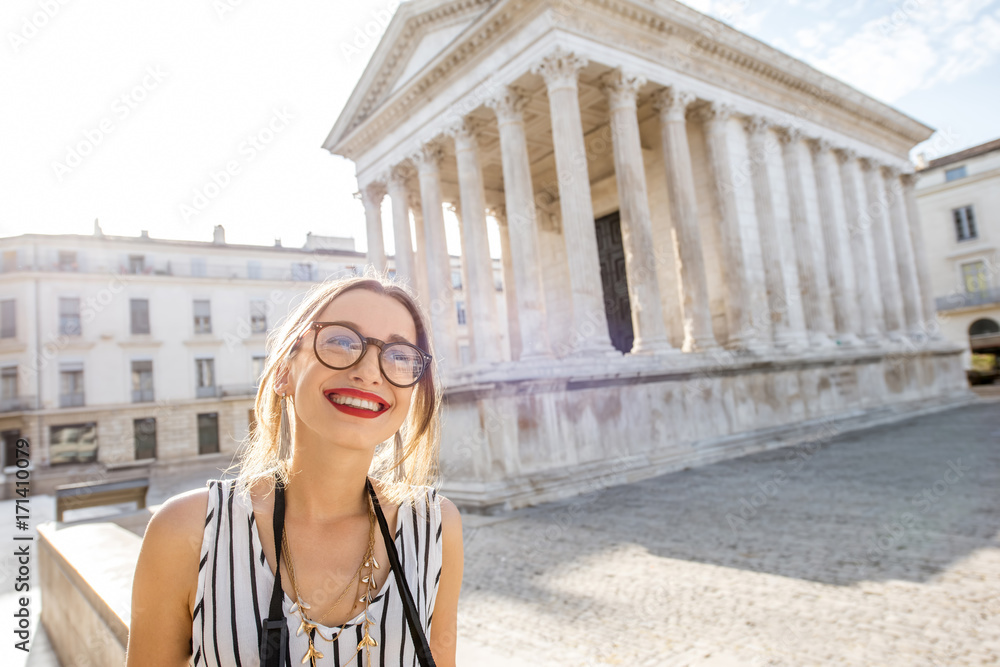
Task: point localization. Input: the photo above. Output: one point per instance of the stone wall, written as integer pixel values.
(515, 441)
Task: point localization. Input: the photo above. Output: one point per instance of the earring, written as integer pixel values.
(284, 432)
(397, 452)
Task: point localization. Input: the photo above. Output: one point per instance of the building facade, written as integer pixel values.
(708, 242)
(958, 197)
(123, 352)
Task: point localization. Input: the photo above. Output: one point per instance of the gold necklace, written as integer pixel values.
(311, 629)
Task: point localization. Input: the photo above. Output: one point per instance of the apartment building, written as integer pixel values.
(958, 197)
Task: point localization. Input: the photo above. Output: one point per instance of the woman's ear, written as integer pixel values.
(282, 379)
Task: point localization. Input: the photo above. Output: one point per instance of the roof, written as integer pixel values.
(981, 149)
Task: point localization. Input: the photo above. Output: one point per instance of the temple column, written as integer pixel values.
(885, 256)
(519, 225)
(926, 294)
(741, 332)
(481, 302)
(782, 298)
(371, 199)
(838, 262)
(509, 284)
(440, 299)
(909, 281)
(671, 104)
(590, 323)
(420, 256)
(814, 293)
(856, 213)
(401, 225)
(648, 325)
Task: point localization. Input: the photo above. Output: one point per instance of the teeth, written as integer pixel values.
(355, 402)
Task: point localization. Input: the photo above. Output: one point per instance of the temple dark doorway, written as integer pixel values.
(613, 279)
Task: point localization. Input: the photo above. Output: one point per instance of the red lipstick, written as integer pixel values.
(351, 410)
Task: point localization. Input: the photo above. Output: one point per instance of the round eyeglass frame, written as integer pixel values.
(365, 342)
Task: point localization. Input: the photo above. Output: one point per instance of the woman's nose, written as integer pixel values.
(367, 368)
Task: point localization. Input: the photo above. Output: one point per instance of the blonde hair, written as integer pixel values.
(420, 432)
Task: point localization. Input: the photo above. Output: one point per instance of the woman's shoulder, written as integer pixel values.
(181, 515)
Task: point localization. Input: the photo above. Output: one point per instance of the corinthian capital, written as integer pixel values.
(428, 156)
(672, 102)
(560, 69)
(397, 177)
(789, 135)
(621, 88)
(509, 105)
(373, 193)
(465, 133)
(756, 126)
(716, 112)
(819, 146)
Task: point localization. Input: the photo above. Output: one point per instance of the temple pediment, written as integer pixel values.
(419, 31)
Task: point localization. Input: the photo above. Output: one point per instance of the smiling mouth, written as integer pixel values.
(354, 402)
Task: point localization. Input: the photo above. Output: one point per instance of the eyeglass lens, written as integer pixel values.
(340, 347)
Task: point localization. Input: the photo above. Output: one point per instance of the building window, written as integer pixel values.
(140, 316)
(302, 272)
(199, 269)
(253, 269)
(456, 279)
(145, 438)
(202, 316)
(955, 174)
(975, 278)
(208, 433)
(258, 316)
(142, 381)
(965, 223)
(9, 439)
(71, 385)
(69, 316)
(8, 318)
(205, 374)
(9, 261)
(8, 387)
(136, 264)
(73, 443)
(460, 307)
(67, 260)
(463, 354)
(257, 369)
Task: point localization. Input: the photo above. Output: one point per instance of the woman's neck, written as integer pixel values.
(327, 482)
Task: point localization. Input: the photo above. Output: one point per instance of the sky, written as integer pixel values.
(176, 117)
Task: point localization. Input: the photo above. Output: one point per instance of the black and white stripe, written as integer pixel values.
(234, 578)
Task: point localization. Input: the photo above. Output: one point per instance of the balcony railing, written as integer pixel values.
(207, 392)
(237, 390)
(968, 299)
(74, 400)
(17, 403)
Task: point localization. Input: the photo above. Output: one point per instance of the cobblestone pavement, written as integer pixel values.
(879, 547)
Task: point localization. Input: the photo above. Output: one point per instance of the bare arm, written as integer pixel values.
(166, 580)
(444, 629)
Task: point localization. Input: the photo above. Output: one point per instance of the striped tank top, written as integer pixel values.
(235, 582)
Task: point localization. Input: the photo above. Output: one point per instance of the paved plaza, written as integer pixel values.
(877, 547)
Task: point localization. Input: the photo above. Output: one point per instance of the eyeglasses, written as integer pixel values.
(339, 346)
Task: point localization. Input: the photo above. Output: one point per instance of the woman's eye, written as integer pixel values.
(340, 341)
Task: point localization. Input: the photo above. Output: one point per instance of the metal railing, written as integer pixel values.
(957, 300)
(17, 403)
(237, 390)
(73, 400)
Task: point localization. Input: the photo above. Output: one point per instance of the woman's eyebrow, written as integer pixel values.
(393, 338)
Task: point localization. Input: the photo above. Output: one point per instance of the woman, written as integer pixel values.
(351, 371)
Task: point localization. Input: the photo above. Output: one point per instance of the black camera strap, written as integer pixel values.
(423, 649)
(274, 629)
